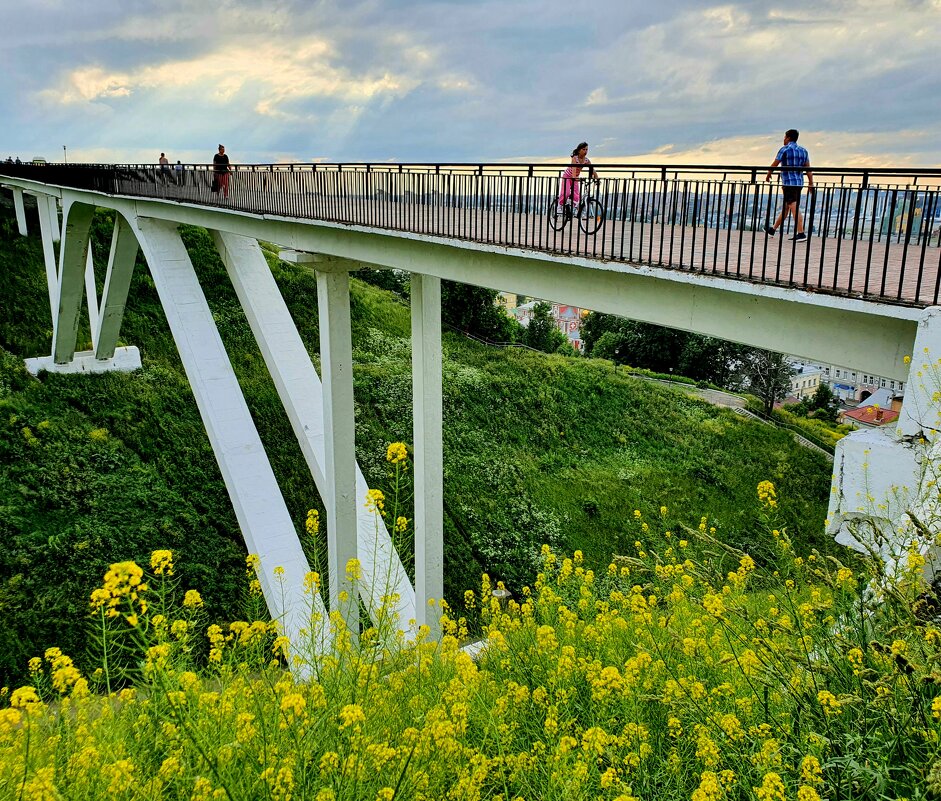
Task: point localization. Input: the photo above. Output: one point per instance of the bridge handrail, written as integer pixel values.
(753, 172)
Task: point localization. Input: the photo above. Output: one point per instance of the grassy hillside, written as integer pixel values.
(537, 449)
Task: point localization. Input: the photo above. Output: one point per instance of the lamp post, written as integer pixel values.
(65, 154)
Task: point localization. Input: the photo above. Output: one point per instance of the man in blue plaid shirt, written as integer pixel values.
(794, 162)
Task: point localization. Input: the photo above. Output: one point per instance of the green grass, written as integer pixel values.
(537, 449)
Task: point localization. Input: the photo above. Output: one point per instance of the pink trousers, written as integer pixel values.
(569, 189)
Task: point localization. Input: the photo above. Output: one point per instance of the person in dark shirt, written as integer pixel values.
(220, 170)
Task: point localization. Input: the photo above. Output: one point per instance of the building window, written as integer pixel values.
(883, 383)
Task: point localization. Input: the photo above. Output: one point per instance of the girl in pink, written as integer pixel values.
(570, 176)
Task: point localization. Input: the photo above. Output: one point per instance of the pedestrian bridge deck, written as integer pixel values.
(874, 234)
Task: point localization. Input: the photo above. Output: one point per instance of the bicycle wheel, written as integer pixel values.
(556, 219)
(591, 215)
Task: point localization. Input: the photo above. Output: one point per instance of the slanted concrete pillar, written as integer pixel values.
(20, 208)
(117, 283)
(301, 392)
(53, 203)
(91, 296)
(73, 260)
(427, 432)
(262, 514)
(336, 364)
(48, 254)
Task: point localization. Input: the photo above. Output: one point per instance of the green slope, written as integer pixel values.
(537, 449)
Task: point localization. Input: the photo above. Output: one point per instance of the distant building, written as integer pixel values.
(508, 300)
(849, 385)
(857, 385)
(568, 319)
(805, 380)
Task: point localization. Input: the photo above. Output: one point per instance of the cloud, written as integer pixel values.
(300, 72)
(448, 80)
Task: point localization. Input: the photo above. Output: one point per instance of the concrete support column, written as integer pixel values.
(48, 255)
(117, 283)
(921, 412)
(427, 432)
(91, 296)
(262, 514)
(336, 360)
(73, 261)
(20, 208)
(53, 203)
(301, 392)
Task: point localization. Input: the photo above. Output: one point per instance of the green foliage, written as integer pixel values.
(542, 332)
(473, 309)
(819, 430)
(663, 350)
(538, 449)
(823, 405)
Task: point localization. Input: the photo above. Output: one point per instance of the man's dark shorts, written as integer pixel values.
(792, 194)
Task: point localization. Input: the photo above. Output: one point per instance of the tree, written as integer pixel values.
(824, 404)
(392, 280)
(594, 326)
(768, 375)
(663, 349)
(542, 332)
(473, 309)
(607, 346)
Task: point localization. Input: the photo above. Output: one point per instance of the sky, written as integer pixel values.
(671, 81)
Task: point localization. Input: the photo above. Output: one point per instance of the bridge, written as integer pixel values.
(675, 246)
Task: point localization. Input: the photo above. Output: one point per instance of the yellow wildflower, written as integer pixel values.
(767, 495)
(396, 452)
(161, 562)
(350, 715)
(192, 599)
(375, 500)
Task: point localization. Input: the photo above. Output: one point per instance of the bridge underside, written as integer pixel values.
(819, 327)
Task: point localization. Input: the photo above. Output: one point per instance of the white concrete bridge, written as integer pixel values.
(674, 248)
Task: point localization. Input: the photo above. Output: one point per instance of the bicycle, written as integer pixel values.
(590, 212)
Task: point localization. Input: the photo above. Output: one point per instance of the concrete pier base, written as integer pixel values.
(124, 360)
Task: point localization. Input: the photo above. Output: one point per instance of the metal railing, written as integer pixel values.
(873, 233)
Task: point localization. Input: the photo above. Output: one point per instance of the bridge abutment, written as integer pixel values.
(885, 498)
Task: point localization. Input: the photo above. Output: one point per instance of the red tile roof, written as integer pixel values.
(872, 415)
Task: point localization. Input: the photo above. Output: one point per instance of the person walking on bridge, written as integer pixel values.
(794, 161)
(569, 189)
(220, 173)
